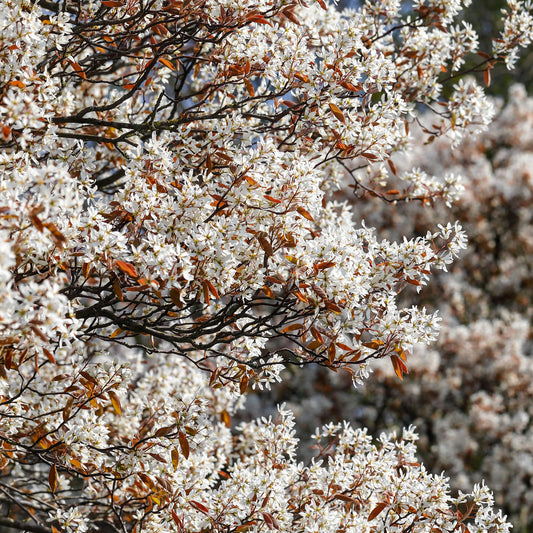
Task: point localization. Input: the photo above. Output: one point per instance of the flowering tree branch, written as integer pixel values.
(170, 237)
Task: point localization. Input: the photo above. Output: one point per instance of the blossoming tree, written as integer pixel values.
(169, 238)
(470, 394)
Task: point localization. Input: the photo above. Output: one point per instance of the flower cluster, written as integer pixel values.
(470, 394)
(170, 237)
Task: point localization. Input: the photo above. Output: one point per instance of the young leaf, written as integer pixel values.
(127, 268)
(264, 242)
(115, 402)
(226, 418)
(331, 352)
(52, 478)
(376, 511)
(243, 385)
(337, 112)
(292, 327)
(398, 366)
(305, 213)
(167, 63)
(249, 87)
(199, 506)
(175, 455)
(184, 444)
(270, 521)
(486, 76)
(267, 291)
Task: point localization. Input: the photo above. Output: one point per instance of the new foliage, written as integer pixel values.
(169, 239)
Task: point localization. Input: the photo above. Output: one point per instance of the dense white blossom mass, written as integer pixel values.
(170, 237)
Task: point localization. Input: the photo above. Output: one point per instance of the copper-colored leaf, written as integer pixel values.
(225, 418)
(265, 243)
(486, 76)
(324, 264)
(199, 506)
(322, 5)
(165, 430)
(341, 146)
(401, 354)
(272, 279)
(212, 289)
(392, 166)
(267, 291)
(86, 269)
(316, 334)
(177, 520)
(249, 87)
(167, 63)
(160, 29)
(115, 333)
(259, 19)
(52, 478)
(49, 356)
(345, 498)
(6, 132)
(301, 77)
(272, 199)
(270, 521)
(115, 402)
(349, 87)
(376, 511)
(313, 345)
(355, 355)
(292, 327)
(17, 83)
(117, 289)
(67, 409)
(373, 344)
(305, 213)
(127, 268)
(175, 455)
(243, 385)
(400, 368)
(246, 526)
(337, 112)
(344, 347)
(251, 181)
(58, 238)
(175, 297)
(184, 444)
(333, 307)
(36, 221)
(112, 3)
(78, 69)
(300, 297)
(148, 481)
(331, 352)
